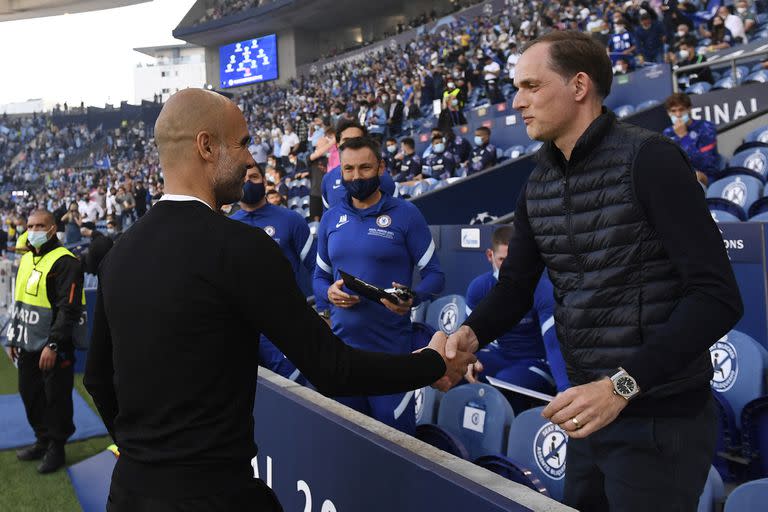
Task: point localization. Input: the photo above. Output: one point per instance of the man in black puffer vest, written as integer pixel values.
(642, 281)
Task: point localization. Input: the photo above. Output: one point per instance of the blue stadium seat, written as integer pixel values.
(756, 67)
(754, 421)
(313, 227)
(724, 83)
(739, 364)
(624, 111)
(533, 147)
(741, 73)
(514, 152)
(758, 135)
(757, 77)
(699, 88)
(740, 189)
(748, 497)
(441, 439)
(755, 159)
(294, 203)
(479, 416)
(540, 446)
(647, 104)
(500, 154)
(419, 313)
(304, 201)
(714, 493)
(728, 438)
(304, 212)
(512, 470)
(404, 191)
(758, 207)
(447, 313)
(427, 403)
(760, 217)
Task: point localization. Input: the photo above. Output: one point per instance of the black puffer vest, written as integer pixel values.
(613, 280)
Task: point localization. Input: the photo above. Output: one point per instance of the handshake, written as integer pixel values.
(458, 352)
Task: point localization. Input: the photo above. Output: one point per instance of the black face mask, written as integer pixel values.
(361, 189)
(253, 192)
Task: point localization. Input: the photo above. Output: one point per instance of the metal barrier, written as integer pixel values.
(727, 58)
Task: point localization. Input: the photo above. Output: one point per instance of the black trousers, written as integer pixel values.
(252, 496)
(47, 396)
(641, 464)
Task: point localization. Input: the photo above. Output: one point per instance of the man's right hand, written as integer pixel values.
(339, 298)
(455, 367)
(14, 354)
(463, 340)
(473, 370)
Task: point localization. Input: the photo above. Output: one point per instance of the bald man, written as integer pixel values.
(46, 312)
(173, 372)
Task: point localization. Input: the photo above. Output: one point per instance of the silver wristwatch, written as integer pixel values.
(624, 385)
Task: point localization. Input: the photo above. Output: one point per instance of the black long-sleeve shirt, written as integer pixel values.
(674, 204)
(182, 301)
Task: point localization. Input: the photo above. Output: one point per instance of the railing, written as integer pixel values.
(727, 58)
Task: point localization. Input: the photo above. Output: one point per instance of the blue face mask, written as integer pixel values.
(684, 118)
(478, 140)
(37, 238)
(253, 192)
(362, 188)
(438, 148)
(391, 148)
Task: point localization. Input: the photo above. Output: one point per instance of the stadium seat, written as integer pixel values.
(294, 203)
(748, 497)
(304, 201)
(514, 152)
(740, 189)
(419, 313)
(755, 159)
(304, 212)
(479, 416)
(724, 83)
(447, 313)
(728, 443)
(647, 104)
(699, 88)
(760, 217)
(533, 147)
(624, 111)
(754, 420)
(442, 439)
(739, 364)
(758, 135)
(741, 72)
(511, 470)
(714, 493)
(757, 77)
(540, 446)
(313, 227)
(758, 207)
(427, 403)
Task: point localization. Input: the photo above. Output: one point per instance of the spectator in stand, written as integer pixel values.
(622, 42)
(296, 168)
(650, 39)
(128, 204)
(288, 144)
(140, 198)
(686, 56)
(491, 75)
(409, 165)
(719, 35)
(683, 35)
(376, 121)
(260, 149)
(622, 66)
(484, 153)
(274, 198)
(698, 138)
(733, 23)
(395, 119)
(388, 154)
(72, 222)
(747, 17)
(440, 164)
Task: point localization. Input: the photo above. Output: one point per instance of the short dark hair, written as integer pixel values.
(391, 139)
(572, 52)
(407, 141)
(346, 124)
(501, 236)
(360, 143)
(484, 129)
(436, 137)
(678, 99)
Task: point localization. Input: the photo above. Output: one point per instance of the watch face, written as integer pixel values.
(625, 386)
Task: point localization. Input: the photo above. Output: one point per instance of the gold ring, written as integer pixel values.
(576, 422)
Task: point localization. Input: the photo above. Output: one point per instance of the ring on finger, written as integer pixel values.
(576, 423)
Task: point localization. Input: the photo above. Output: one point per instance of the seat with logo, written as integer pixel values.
(713, 495)
(624, 111)
(647, 104)
(514, 152)
(751, 496)
(740, 189)
(755, 159)
(699, 88)
(447, 313)
(533, 147)
(739, 364)
(294, 203)
(758, 136)
(479, 416)
(725, 83)
(758, 77)
(723, 210)
(540, 446)
(427, 401)
(754, 421)
(419, 313)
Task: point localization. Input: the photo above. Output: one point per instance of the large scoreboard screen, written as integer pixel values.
(248, 62)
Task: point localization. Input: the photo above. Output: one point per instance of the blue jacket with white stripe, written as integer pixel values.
(380, 245)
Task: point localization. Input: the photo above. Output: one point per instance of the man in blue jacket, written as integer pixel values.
(381, 240)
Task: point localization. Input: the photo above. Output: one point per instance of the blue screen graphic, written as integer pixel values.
(248, 62)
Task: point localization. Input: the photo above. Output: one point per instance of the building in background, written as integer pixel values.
(176, 67)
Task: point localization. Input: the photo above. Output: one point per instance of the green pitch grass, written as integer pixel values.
(22, 489)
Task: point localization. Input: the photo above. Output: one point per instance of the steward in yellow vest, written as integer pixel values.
(47, 322)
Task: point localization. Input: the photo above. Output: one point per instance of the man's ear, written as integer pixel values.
(206, 147)
(489, 255)
(582, 86)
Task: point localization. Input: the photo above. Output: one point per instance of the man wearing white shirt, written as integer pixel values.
(491, 73)
(289, 143)
(733, 23)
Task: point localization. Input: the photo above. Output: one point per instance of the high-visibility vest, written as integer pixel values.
(32, 313)
(21, 242)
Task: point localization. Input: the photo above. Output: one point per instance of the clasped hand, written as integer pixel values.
(455, 367)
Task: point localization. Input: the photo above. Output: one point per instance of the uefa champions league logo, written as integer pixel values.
(725, 365)
(549, 447)
(449, 318)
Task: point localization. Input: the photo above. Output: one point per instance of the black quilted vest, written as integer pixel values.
(613, 280)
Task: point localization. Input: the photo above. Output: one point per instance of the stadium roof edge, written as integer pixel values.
(11, 10)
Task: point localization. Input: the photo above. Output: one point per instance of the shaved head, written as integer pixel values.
(41, 217)
(203, 140)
